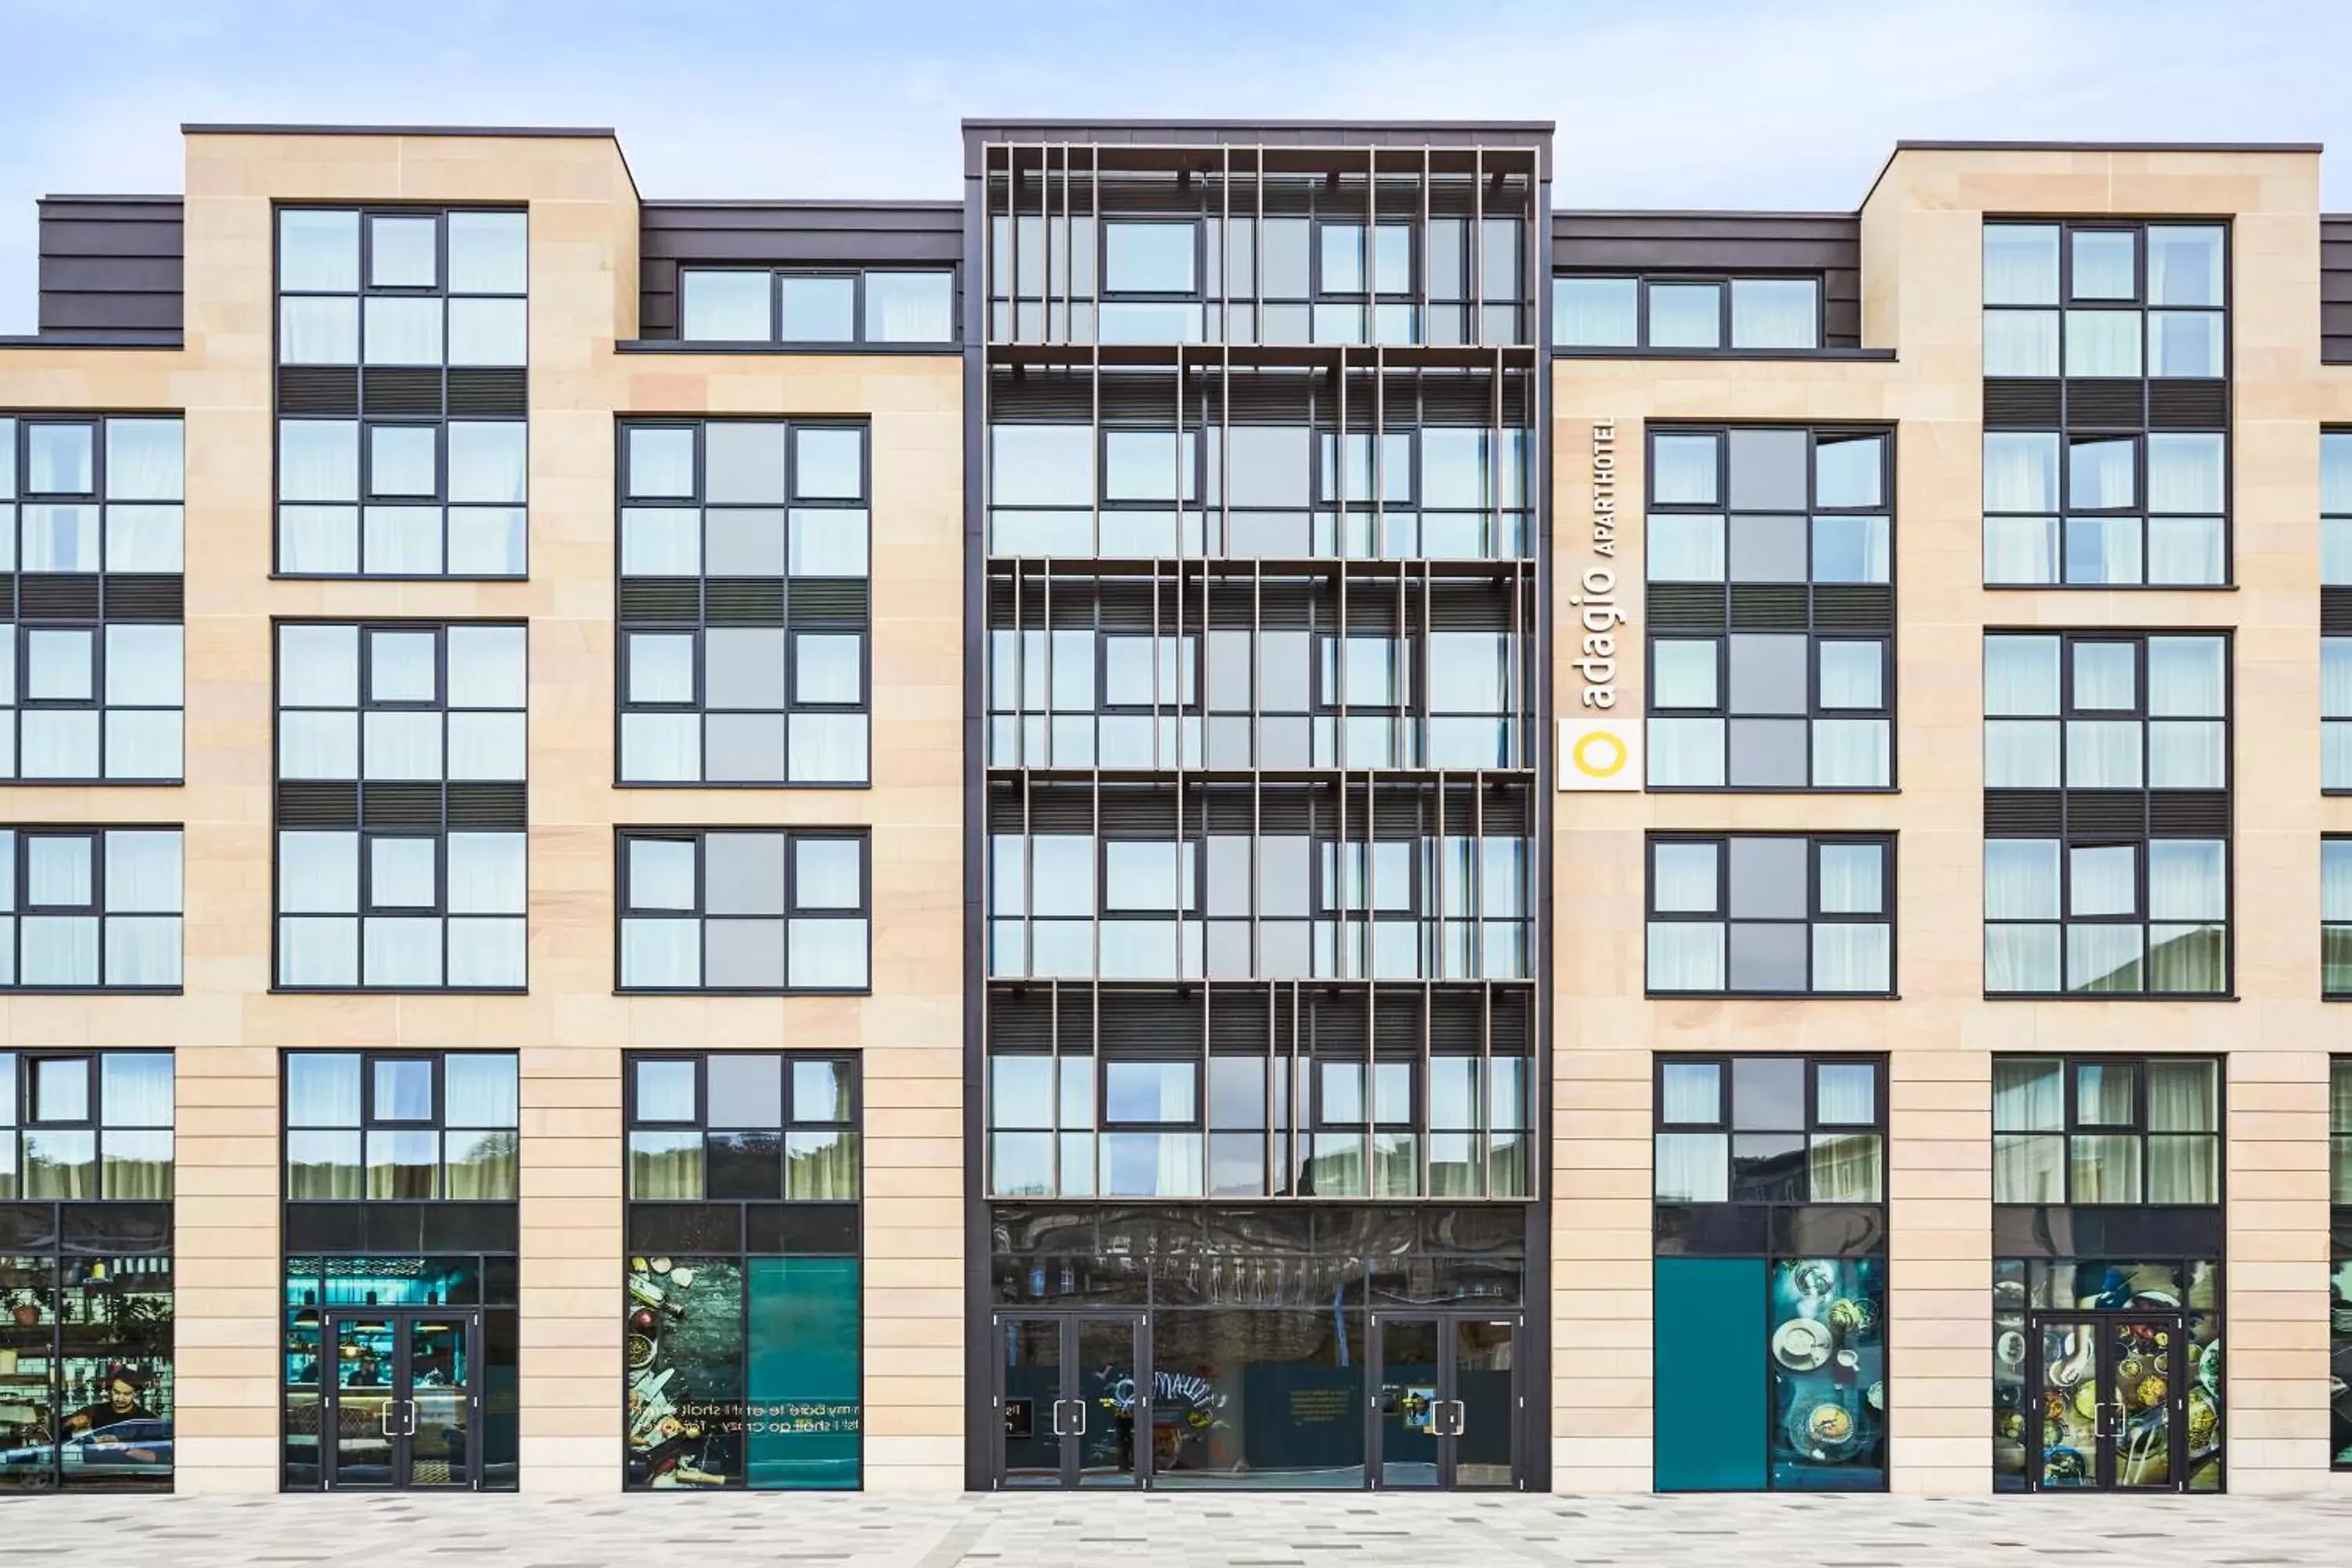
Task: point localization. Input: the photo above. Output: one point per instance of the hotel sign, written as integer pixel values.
(1597, 750)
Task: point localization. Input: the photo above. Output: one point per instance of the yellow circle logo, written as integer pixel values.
(1598, 754)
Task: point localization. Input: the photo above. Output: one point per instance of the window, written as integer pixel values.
(2336, 917)
(401, 806)
(1192, 262)
(2106, 776)
(1449, 1124)
(745, 611)
(1770, 1182)
(2106, 465)
(409, 1126)
(85, 1168)
(1741, 314)
(1772, 608)
(403, 445)
(91, 684)
(1757, 914)
(744, 909)
(743, 1181)
(2339, 1284)
(90, 909)
(2335, 610)
(813, 310)
(2106, 1130)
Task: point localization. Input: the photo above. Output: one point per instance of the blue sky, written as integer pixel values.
(1675, 103)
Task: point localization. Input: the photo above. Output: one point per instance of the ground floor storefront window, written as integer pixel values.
(742, 1323)
(1297, 1347)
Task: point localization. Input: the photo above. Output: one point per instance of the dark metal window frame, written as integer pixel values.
(626, 626)
(1725, 1125)
(2066, 431)
(848, 1065)
(18, 871)
(2331, 928)
(2335, 611)
(1814, 914)
(437, 1123)
(1814, 631)
(2136, 1126)
(19, 1106)
(361, 419)
(2070, 838)
(859, 340)
(364, 831)
(1723, 346)
(625, 909)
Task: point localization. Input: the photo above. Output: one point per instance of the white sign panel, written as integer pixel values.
(1600, 754)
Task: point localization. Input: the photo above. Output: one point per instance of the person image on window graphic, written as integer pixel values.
(122, 1404)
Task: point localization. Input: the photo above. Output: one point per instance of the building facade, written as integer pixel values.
(1248, 811)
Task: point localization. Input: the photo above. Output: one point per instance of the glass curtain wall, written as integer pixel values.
(740, 1309)
(86, 1364)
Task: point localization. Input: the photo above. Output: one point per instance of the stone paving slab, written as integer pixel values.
(1196, 1530)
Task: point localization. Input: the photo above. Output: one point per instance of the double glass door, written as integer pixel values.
(2112, 1403)
(402, 1400)
(1445, 1406)
(1073, 1401)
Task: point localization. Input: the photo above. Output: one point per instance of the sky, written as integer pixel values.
(1779, 104)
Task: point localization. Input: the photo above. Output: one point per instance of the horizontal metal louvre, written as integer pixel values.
(401, 805)
(145, 597)
(1149, 1023)
(489, 391)
(827, 601)
(2021, 404)
(1337, 1022)
(2102, 403)
(2188, 405)
(318, 805)
(318, 389)
(56, 596)
(1241, 1021)
(743, 601)
(1512, 1013)
(395, 391)
(1020, 1020)
(2122, 812)
(2188, 814)
(1397, 1018)
(2017, 812)
(1686, 606)
(489, 806)
(1770, 607)
(1854, 607)
(660, 599)
(2336, 611)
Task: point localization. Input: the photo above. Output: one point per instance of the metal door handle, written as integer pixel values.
(384, 1417)
(411, 1430)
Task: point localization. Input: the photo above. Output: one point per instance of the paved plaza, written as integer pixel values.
(1225, 1530)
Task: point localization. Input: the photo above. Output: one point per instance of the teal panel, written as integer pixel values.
(1710, 1409)
(803, 1418)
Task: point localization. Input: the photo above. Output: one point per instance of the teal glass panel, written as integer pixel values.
(1711, 1409)
(803, 1420)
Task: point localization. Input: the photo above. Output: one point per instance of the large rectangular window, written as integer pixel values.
(745, 604)
(420, 1126)
(2106, 1130)
(90, 909)
(2339, 1284)
(87, 1384)
(1690, 312)
(402, 441)
(2106, 404)
(1760, 915)
(744, 909)
(1769, 1181)
(1770, 556)
(743, 1354)
(91, 643)
(401, 806)
(810, 309)
(2336, 611)
(2336, 917)
(2107, 813)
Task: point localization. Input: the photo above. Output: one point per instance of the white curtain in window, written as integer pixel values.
(318, 951)
(1684, 878)
(402, 745)
(2184, 343)
(2102, 754)
(2029, 1094)
(487, 461)
(1686, 751)
(910, 307)
(2020, 878)
(2020, 958)
(1775, 313)
(1852, 879)
(488, 332)
(486, 542)
(143, 539)
(2020, 264)
(2020, 550)
(60, 538)
(661, 541)
(2103, 880)
(2184, 550)
(2336, 890)
(827, 953)
(2103, 343)
(402, 949)
(2184, 473)
(2020, 343)
(58, 746)
(487, 875)
(661, 747)
(318, 746)
(1594, 312)
(143, 666)
(486, 746)
(828, 748)
(143, 872)
(2186, 880)
(1684, 548)
(2103, 549)
(487, 953)
(2180, 1097)
(2335, 472)
(827, 542)
(401, 330)
(2021, 753)
(318, 459)
(661, 953)
(401, 541)
(59, 950)
(137, 1088)
(142, 743)
(143, 459)
(318, 539)
(2028, 1169)
(2020, 676)
(2186, 754)
(1855, 754)
(1686, 955)
(1850, 956)
(318, 332)
(142, 950)
(1693, 1167)
(2184, 677)
(318, 873)
(318, 666)
(2021, 472)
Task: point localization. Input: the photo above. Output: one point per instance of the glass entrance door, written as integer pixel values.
(2113, 1408)
(1073, 1406)
(401, 1401)
(1447, 1413)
